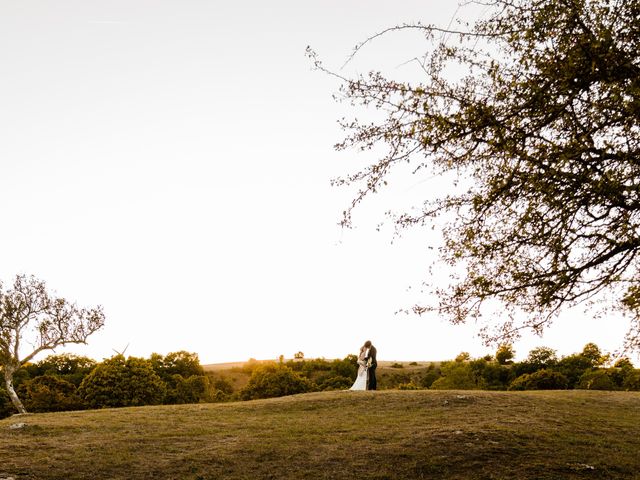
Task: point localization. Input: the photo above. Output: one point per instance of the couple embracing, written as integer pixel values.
(367, 363)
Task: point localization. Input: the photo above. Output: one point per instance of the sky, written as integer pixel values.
(171, 161)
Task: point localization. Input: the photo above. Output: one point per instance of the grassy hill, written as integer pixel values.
(338, 435)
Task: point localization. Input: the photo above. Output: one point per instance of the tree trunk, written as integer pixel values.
(8, 381)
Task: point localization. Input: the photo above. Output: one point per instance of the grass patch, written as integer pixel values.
(334, 435)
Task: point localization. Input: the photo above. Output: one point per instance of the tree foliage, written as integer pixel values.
(31, 317)
(271, 380)
(505, 354)
(539, 138)
(120, 382)
(540, 380)
(72, 368)
(50, 393)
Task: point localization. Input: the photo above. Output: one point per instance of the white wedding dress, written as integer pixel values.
(361, 379)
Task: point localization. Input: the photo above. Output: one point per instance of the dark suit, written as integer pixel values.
(372, 383)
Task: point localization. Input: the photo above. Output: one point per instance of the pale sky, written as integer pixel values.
(171, 161)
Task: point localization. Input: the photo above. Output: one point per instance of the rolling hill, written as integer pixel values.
(338, 435)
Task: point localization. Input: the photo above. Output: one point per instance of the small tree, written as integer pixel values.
(49, 393)
(271, 380)
(540, 380)
(72, 368)
(455, 375)
(600, 379)
(29, 314)
(505, 354)
(592, 352)
(120, 382)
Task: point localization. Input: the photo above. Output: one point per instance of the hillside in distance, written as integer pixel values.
(338, 435)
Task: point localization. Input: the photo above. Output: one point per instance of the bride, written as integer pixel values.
(361, 379)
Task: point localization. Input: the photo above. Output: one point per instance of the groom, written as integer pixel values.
(370, 359)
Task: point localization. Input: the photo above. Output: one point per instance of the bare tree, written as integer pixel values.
(30, 316)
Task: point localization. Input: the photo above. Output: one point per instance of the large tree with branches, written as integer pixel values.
(31, 317)
(541, 134)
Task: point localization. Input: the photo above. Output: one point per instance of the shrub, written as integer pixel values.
(409, 386)
(334, 382)
(573, 367)
(455, 375)
(117, 382)
(463, 357)
(187, 390)
(539, 358)
(540, 380)
(596, 380)
(6, 407)
(180, 363)
(72, 368)
(397, 365)
(427, 379)
(632, 380)
(624, 363)
(271, 380)
(347, 367)
(49, 393)
(490, 375)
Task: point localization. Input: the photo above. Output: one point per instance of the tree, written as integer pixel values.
(573, 367)
(539, 358)
(120, 382)
(538, 137)
(542, 357)
(274, 380)
(540, 380)
(600, 379)
(463, 357)
(505, 354)
(72, 368)
(49, 393)
(456, 375)
(30, 315)
(592, 352)
(181, 363)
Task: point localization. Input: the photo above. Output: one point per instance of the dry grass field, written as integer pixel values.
(338, 435)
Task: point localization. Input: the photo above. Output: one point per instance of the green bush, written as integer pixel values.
(69, 367)
(490, 375)
(456, 375)
(333, 382)
(632, 380)
(539, 358)
(271, 380)
(427, 379)
(181, 363)
(117, 382)
(596, 380)
(347, 367)
(409, 386)
(6, 407)
(540, 380)
(573, 367)
(49, 393)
